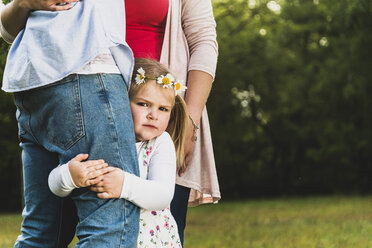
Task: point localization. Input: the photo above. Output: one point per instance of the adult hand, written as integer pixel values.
(110, 185)
(189, 142)
(51, 5)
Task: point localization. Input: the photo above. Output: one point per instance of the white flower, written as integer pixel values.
(179, 87)
(166, 81)
(140, 77)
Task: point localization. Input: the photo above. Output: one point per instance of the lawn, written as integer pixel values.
(316, 222)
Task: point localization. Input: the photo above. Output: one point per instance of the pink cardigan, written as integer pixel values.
(190, 44)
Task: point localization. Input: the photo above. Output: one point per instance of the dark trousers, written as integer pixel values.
(179, 208)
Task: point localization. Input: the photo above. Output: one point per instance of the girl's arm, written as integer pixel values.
(14, 15)
(75, 174)
(60, 181)
(156, 192)
(200, 30)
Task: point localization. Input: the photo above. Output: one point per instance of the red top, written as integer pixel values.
(145, 26)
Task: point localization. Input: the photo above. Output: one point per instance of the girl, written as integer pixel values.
(156, 107)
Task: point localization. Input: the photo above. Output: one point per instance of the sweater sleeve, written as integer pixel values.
(60, 181)
(199, 27)
(156, 192)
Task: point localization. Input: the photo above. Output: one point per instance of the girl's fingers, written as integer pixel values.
(95, 164)
(110, 168)
(91, 182)
(99, 179)
(99, 172)
(80, 157)
(99, 184)
(97, 189)
(103, 195)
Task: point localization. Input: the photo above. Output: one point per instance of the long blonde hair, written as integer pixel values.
(179, 116)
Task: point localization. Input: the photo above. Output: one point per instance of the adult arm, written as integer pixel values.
(198, 87)
(14, 15)
(200, 30)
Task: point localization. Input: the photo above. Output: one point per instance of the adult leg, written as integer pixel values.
(40, 226)
(179, 208)
(69, 220)
(109, 135)
(91, 114)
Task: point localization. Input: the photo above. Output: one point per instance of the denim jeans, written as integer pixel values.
(79, 114)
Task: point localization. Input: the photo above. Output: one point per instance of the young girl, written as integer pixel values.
(156, 107)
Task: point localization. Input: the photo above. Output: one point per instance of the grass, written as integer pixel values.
(316, 222)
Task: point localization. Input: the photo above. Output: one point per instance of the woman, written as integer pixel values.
(181, 34)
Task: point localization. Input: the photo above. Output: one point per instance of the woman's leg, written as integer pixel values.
(69, 220)
(40, 226)
(179, 208)
(81, 114)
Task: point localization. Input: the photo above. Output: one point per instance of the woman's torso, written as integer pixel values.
(145, 26)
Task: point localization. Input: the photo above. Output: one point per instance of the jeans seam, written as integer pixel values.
(79, 111)
(29, 120)
(105, 96)
(124, 224)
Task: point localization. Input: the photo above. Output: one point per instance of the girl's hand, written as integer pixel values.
(51, 5)
(86, 173)
(110, 185)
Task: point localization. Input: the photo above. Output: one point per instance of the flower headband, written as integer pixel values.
(167, 81)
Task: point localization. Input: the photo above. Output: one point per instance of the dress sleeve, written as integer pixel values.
(199, 27)
(60, 181)
(156, 192)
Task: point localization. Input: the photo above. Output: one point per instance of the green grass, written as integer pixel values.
(316, 222)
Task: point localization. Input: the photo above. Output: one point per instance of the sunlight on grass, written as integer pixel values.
(308, 222)
(9, 229)
(317, 222)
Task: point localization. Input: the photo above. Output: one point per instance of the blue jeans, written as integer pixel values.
(79, 114)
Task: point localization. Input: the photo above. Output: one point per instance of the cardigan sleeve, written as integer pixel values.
(199, 28)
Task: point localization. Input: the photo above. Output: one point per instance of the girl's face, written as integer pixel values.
(151, 109)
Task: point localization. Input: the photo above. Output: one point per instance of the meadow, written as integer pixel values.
(313, 222)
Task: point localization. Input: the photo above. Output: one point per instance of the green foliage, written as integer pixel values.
(309, 63)
(10, 166)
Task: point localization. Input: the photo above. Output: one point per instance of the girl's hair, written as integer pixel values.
(179, 116)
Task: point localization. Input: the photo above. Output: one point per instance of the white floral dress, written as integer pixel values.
(156, 228)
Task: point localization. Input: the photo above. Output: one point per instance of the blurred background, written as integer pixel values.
(290, 109)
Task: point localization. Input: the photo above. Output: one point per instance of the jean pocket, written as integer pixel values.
(64, 123)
